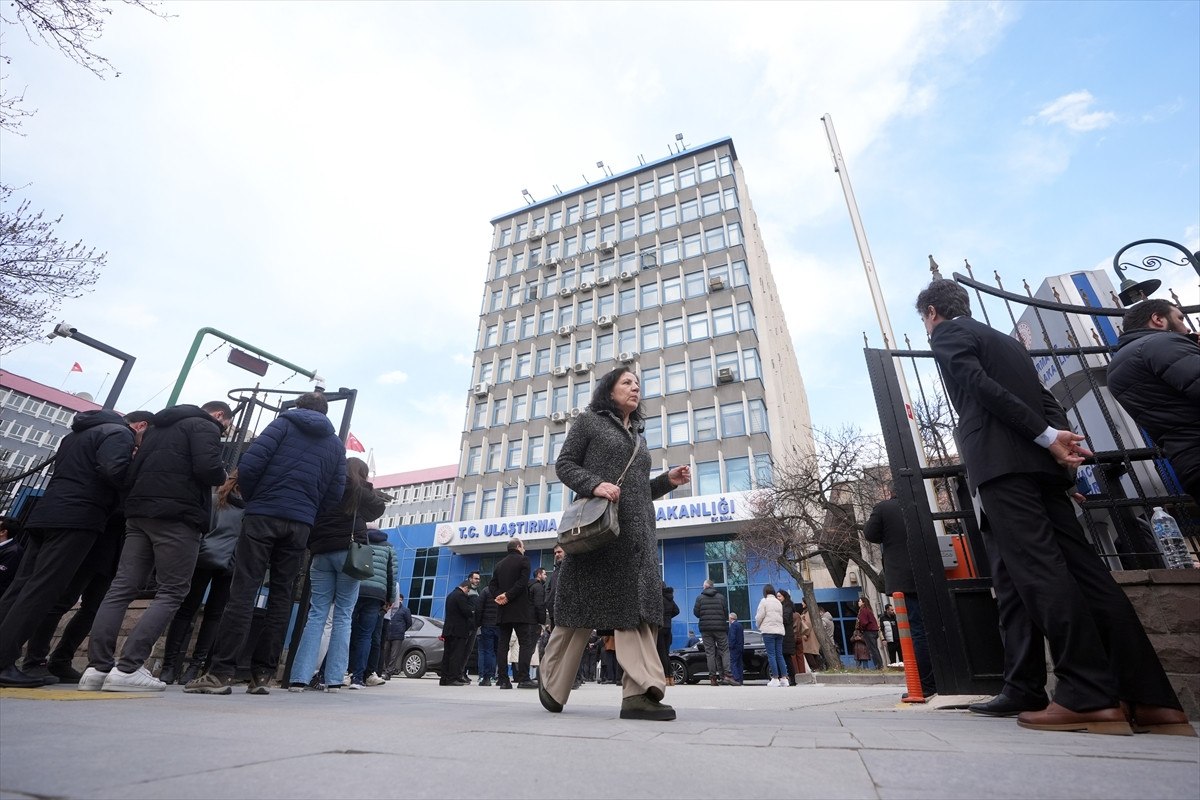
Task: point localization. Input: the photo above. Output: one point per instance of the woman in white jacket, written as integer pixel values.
(769, 618)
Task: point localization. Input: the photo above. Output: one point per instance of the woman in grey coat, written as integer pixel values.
(618, 587)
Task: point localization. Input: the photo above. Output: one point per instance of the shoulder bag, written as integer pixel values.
(360, 558)
(591, 523)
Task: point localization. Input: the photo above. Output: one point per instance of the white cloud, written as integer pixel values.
(393, 377)
(1074, 111)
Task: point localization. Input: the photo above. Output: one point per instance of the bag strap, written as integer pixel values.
(636, 443)
(354, 517)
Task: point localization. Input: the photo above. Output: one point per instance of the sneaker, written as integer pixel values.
(334, 687)
(374, 680)
(259, 684)
(208, 684)
(91, 680)
(347, 680)
(140, 680)
(64, 672)
(643, 707)
(298, 687)
(356, 685)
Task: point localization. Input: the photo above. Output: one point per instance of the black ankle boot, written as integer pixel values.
(168, 673)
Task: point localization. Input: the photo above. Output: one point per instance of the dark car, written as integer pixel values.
(690, 664)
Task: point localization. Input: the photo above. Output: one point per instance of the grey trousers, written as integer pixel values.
(716, 649)
(167, 547)
(637, 653)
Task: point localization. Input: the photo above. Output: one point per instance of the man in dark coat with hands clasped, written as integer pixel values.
(510, 588)
(1016, 445)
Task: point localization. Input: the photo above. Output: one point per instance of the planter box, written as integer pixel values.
(1168, 603)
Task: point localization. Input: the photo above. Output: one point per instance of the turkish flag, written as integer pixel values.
(76, 367)
(352, 443)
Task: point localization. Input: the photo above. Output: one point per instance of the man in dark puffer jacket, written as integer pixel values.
(167, 510)
(1155, 376)
(712, 611)
(89, 470)
(294, 469)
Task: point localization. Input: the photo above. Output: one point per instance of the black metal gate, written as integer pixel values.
(1125, 480)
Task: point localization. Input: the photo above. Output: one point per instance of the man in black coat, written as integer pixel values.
(89, 470)
(886, 528)
(456, 629)
(10, 551)
(537, 596)
(1014, 440)
(712, 611)
(168, 509)
(1155, 376)
(510, 587)
(552, 585)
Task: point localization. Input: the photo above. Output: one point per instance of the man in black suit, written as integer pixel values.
(886, 528)
(456, 629)
(510, 587)
(1015, 442)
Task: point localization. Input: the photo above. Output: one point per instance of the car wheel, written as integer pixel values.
(414, 664)
(679, 672)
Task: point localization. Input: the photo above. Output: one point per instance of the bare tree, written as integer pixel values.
(38, 270)
(816, 508)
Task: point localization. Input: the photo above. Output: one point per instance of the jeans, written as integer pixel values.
(916, 628)
(774, 643)
(367, 613)
(266, 542)
(169, 549)
(330, 587)
(489, 635)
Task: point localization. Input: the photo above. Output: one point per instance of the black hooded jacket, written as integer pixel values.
(176, 467)
(1155, 376)
(89, 470)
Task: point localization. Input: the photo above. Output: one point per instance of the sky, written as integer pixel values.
(316, 178)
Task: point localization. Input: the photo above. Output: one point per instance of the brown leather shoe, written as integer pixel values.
(1057, 718)
(1159, 719)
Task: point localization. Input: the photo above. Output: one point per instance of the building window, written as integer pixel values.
(677, 428)
(555, 220)
(668, 253)
(672, 290)
(653, 432)
(750, 366)
(689, 211)
(508, 501)
(646, 223)
(539, 404)
(651, 382)
(726, 164)
(691, 246)
(708, 171)
(537, 446)
(533, 499)
(676, 378)
(510, 331)
(628, 228)
(485, 372)
(583, 350)
(745, 317)
(626, 341)
(687, 177)
(559, 401)
(706, 426)
(570, 248)
(627, 301)
(733, 419)
(554, 496)
(487, 506)
(501, 268)
(758, 416)
(735, 233)
(649, 293)
(493, 457)
(604, 347)
(763, 470)
(556, 443)
(586, 314)
(528, 326)
(666, 184)
(605, 304)
(520, 408)
(608, 203)
(478, 415)
(541, 364)
(729, 198)
(473, 458)
(524, 361)
(702, 374)
(695, 284)
(628, 197)
(722, 319)
(708, 477)
(672, 332)
(573, 214)
(513, 459)
(589, 209)
(737, 474)
(504, 370)
(710, 204)
(581, 393)
(646, 191)
(424, 578)
(566, 314)
(698, 326)
(562, 355)
(490, 335)
(714, 239)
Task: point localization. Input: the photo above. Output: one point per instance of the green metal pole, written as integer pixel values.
(191, 357)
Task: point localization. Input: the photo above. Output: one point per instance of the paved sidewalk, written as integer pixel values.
(413, 738)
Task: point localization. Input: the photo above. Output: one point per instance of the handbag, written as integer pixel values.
(591, 523)
(360, 558)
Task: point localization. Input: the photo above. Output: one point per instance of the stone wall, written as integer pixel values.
(1168, 603)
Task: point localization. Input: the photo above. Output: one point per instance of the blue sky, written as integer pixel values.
(317, 178)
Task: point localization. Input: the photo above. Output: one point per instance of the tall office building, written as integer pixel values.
(661, 268)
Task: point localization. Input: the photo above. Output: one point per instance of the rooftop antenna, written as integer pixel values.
(528, 197)
(600, 166)
(641, 160)
(556, 189)
(679, 143)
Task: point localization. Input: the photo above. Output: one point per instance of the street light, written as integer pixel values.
(1136, 291)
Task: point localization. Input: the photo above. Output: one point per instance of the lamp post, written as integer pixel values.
(1135, 291)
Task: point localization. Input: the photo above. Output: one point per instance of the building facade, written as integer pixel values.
(417, 497)
(33, 420)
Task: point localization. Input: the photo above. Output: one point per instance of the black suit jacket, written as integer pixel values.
(886, 528)
(1002, 406)
(460, 615)
(511, 578)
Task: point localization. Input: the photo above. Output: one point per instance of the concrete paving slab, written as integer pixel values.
(413, 738)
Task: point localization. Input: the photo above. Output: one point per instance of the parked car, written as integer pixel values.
(423, 647)
(690, 664)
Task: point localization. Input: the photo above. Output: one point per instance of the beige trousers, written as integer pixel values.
(637, 653)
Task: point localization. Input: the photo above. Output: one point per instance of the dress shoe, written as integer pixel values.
(548, 702)
(1159, 719)
(1002, 706)
(485, 681)
(576, 684)
(13, 678)
(1057, 718)
(642, 706)
(64, 672)
(527, 685)
(505, 685)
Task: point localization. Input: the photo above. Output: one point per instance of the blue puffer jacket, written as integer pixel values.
(295, 468)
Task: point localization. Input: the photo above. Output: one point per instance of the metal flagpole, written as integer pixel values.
(885, 324)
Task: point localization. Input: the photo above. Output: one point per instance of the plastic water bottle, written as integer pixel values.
(1170, 540)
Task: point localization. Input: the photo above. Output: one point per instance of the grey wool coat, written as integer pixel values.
(619, 586)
